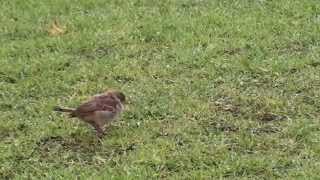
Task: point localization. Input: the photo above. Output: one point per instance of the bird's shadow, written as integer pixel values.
(75, 148)
(79, 148)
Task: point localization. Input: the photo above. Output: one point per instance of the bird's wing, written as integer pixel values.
(99, 103)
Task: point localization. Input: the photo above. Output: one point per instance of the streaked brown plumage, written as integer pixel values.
(99, 111)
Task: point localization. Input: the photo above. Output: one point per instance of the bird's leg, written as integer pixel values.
(99, 130)
(100, 134)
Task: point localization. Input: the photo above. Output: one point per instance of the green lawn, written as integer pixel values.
(217, 88)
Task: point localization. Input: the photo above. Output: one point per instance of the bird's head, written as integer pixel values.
(120, 95)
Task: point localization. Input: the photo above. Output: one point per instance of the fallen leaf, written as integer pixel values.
(56, 29)
(227, 106)
(267, 117)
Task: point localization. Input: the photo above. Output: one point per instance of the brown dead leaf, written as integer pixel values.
(267, 117)
(223, 105)
(56, 29)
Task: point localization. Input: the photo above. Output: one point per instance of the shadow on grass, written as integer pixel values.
(71, 149)
(66, 149)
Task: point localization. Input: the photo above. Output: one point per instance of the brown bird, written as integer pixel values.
(99, 111)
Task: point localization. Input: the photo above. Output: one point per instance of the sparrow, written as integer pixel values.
(98, 111)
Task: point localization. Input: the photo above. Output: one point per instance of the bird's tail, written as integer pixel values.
(63, 109)
(67, 110)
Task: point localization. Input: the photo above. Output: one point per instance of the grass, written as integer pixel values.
(217, 89)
